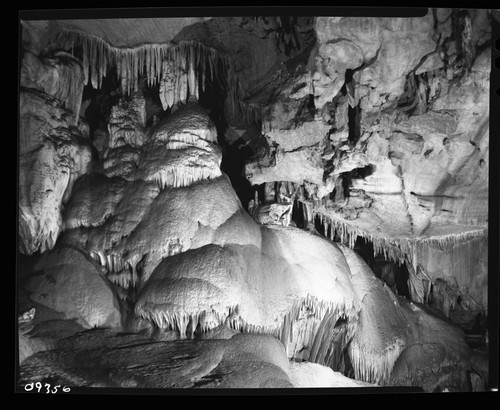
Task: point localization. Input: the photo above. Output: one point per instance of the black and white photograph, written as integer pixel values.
(257, 201)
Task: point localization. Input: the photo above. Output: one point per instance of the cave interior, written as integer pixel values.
(255, 202)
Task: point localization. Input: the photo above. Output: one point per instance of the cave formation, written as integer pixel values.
(255, 202)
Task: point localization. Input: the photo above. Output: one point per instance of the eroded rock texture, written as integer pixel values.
(395, 145)
(245, 360)
(69, 282)
(53, 150)
(219, 206)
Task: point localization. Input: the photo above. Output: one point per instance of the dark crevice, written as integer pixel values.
(349, 73)
(101, 101)
(233, 165)
(236, 154)
(154, 108)
(394, 275)
(320, 228)
(305, 112)
(362, 173)
(354, 123)
(212, 100)
(357, 173)
(353, 113)
(346, 183)
(345, 366)
(408, 101)
(260, 190)
(298, 214)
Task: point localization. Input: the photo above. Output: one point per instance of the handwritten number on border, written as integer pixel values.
(38, 386)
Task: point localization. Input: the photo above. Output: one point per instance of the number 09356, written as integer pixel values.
(46, 388)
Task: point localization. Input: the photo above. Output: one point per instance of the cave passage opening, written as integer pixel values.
(353, 110)
(396, 276)
(97, 103)
(298, 213)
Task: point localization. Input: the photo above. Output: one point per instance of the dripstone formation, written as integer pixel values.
(255, 202)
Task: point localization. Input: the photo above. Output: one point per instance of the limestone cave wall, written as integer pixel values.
(305, 194)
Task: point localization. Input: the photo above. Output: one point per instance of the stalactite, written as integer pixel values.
(374, 368)
(192, 83)
(397, 250)
(123, 279)
(93, 64)
(194, 61)
(85, 63)
(176, 177)
(318, 348)
(325, 312)
(112, 263)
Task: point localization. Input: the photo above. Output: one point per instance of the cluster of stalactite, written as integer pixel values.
(185, 66)
(397, 250)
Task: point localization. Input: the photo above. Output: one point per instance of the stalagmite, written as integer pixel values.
(169, 235)
(174, 288)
